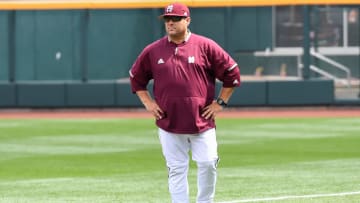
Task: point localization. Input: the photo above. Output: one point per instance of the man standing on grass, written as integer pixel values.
(184, 67)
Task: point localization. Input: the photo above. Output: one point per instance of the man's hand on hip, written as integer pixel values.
(210, 111)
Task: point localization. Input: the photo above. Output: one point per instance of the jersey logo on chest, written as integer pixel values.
(160, 61)
(191, 59)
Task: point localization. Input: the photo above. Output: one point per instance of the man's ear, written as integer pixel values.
(188, 20)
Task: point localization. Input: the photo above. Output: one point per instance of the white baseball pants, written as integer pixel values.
(176, 149)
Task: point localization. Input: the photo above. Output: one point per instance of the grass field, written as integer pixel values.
(119, 160)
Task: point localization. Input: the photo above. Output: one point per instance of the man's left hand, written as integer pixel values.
(210, 111)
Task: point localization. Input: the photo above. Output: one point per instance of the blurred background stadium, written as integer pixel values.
(59, 54)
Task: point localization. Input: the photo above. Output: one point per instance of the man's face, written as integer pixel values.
(176, 25)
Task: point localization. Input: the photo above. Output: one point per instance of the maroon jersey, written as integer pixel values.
(184, 79)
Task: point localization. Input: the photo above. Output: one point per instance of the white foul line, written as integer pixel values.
(293, 197)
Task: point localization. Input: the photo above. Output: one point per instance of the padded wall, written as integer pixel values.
(7, 95)
(50, 94)
(303, 92)
(117, 94)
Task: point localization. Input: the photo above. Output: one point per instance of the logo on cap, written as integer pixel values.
(169, 9)
(176, 9)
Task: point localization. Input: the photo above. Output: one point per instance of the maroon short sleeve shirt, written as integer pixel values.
(184, 79)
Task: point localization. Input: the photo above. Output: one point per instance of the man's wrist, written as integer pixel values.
(221, 102)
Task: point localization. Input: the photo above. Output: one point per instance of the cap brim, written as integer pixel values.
(170, 14)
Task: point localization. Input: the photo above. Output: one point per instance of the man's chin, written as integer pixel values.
(173, 34)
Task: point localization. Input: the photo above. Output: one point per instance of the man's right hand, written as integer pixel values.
(150, 104)
(153, 108)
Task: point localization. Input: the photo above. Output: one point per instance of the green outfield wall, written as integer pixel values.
(60, 45)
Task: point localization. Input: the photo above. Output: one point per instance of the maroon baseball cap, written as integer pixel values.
(176, 9)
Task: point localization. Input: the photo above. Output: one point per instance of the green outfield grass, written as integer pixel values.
(120, 160)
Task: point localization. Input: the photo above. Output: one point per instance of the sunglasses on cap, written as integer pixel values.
(173, 18)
